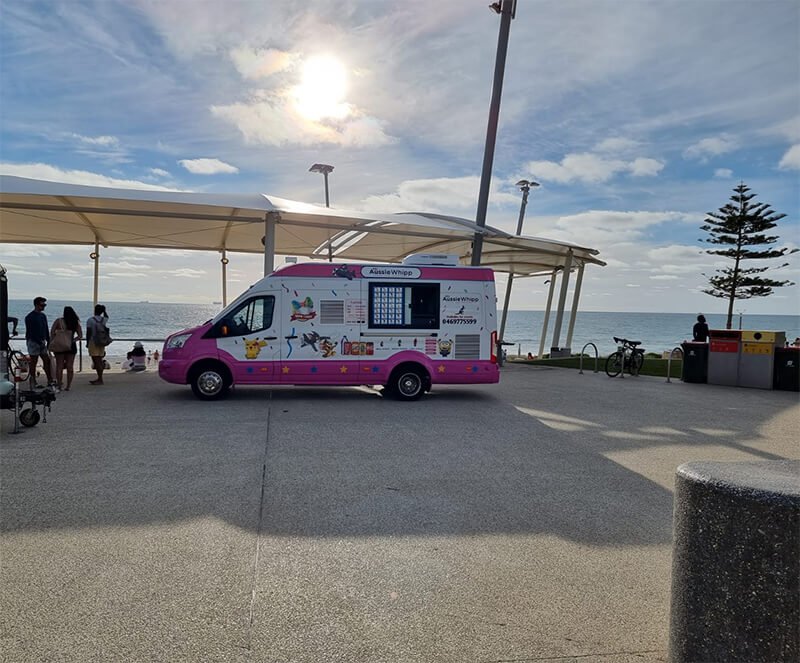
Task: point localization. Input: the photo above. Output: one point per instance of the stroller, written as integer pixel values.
(25, 403)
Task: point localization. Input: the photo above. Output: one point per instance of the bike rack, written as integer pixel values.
(596, 358)
(669, 361)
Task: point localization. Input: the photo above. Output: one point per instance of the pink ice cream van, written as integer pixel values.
(407, 327)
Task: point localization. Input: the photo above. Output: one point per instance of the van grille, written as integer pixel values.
(468, 346)
(331, 312)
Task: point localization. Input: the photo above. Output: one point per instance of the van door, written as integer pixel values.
(248, 339)
(319, 325)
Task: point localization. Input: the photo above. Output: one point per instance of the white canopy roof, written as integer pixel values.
(40, 212)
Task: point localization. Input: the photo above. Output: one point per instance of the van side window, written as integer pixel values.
(403, 306)
(252, 316)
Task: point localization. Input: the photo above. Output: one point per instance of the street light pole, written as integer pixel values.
(324, 168)
(507, 9)
(524, 186)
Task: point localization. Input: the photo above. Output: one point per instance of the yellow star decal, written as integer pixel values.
(441, 368)
(343, 369)
(285, 370)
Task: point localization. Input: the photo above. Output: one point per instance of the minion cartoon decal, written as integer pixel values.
(445, 347)
(328, 348)
(303, 310)
(252, 348)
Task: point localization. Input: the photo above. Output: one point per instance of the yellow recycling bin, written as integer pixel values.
(757, 358)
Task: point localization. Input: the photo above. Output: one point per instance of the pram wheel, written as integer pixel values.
(29, 417)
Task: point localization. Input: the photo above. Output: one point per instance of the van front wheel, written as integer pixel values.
(210, 382)
(406, 384)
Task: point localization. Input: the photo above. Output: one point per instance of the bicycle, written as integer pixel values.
(628, 357)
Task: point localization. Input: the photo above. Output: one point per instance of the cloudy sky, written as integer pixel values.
(636, 117)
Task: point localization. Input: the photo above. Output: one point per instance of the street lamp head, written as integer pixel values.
(323, 168)
(526, 184)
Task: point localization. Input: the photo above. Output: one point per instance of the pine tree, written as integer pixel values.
(740, 226)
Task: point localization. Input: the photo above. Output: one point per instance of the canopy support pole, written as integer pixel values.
(270, 220)
(547, 312)
(96, 257)
(224, 260)
(562, 301)
(505, 307)
(575, 299)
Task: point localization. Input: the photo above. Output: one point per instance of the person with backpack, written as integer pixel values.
(97, 338)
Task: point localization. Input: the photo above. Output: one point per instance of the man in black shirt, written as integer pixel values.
(37, 336)
(700, 330)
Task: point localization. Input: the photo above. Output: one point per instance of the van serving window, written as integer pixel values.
(403, 306)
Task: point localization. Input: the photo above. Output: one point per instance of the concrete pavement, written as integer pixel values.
(526, 521)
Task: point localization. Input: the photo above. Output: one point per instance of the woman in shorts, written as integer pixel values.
(69, 326)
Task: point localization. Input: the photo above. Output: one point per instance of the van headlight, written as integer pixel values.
(178, 341)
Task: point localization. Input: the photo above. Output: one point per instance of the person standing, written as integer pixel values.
(95, 329)
(700, 330)
(37, 336)
(65, 334)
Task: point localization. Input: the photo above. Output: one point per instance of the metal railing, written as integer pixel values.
(669, 361)
(596, 358)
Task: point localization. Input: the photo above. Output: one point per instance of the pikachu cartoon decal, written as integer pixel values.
(253, 347)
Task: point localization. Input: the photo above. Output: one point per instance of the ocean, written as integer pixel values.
(151, 323)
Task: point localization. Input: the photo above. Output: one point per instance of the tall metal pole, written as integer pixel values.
(506, 9)
(525, 187)
(325, 168)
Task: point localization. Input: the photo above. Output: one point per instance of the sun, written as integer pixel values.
(321, 92)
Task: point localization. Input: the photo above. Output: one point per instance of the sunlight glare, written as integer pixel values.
(320, 94)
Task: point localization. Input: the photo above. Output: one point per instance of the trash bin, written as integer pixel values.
(787, 369)
(723, 356)
(695, 362)
(757, 357)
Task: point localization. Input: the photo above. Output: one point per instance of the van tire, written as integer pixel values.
(407, 383)
(210, 381)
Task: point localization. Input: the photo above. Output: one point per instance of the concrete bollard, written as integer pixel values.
(736, 562)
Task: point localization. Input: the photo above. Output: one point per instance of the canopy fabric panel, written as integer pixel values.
(39, 212)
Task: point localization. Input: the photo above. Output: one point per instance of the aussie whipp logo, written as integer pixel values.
(390, 272)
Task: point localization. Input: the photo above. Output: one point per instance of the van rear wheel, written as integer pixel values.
(210, 382)
(406, 383)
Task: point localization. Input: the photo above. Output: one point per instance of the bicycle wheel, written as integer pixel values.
(635, 363)
(614, 365)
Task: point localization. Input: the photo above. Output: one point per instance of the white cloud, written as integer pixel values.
(443, 195)
(186, 272)
(41, 171)
(791, 160)
(723, 173)
(591, 168)
(710, 147)
(274, 121)
(98, 141)
(207, 166)
(664, 277)
(616, 145)
(260, 63)
(643, 167)
(160, 172)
